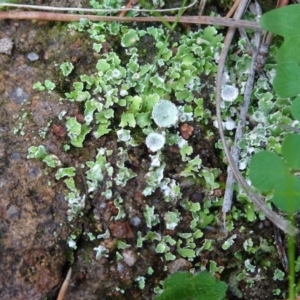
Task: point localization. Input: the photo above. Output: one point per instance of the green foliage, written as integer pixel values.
(296, 108)
(205, 219)
(40, 153)
(76, 131)
(268, 171)
(285, 21)
(186, 286)
(130, 38)
(48, 85)
(66, 68)
(65, 172)
(286, 82)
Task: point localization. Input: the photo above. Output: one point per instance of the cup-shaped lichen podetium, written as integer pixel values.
(155, 141)
(165, 113)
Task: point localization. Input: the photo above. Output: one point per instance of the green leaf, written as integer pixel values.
(185, 252)
(287, 194)
(78, 140)
(186, 150)
(133, 65)
(102, 65)
(284, 21)
(295, 109)
(37, 152)
(70, 183)
(101, 130)
(78, 86)
(290, 151)
(143, 119)
(290, 50)
(267, 170)
(135, 104)
(182, 286)
(286, 83)
(149, 101)
(66, 68)
(38, 86)
(176, 286)
(127, 119)
(129, 38)
(51, 161)
(65, 172)
(73, 126)
(49, 85)
(205, 219)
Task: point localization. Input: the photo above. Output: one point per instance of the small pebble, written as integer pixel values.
(179, 264)
(18, 95)
(16, 156)
(12, 212)
(6, 46)
(129, 257)
(32, 56)
(135, 221)
(34, 171)
(120, 268)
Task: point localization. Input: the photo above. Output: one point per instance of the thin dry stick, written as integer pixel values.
(267, 39)
(233, 9)
(93, 10)
(64, 286)
(46, 16)
(128, 6)
(256, 199)
(227, 202)
(201, 7)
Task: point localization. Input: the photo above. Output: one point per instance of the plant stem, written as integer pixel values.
(291, 261)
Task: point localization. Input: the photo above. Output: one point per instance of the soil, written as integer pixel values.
(34, 227)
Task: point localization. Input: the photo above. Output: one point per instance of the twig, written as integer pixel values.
(64, 286)
(227, 202)
(281, 3)
(240, 127)
(46, 16)
(128, 6)
(93, 10)
(287, 127)
(233, 9)
(281, 249)
(201, 7)
(256, 199)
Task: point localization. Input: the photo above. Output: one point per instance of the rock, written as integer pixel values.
(129, 257)
(6, 45)
(32, 56)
